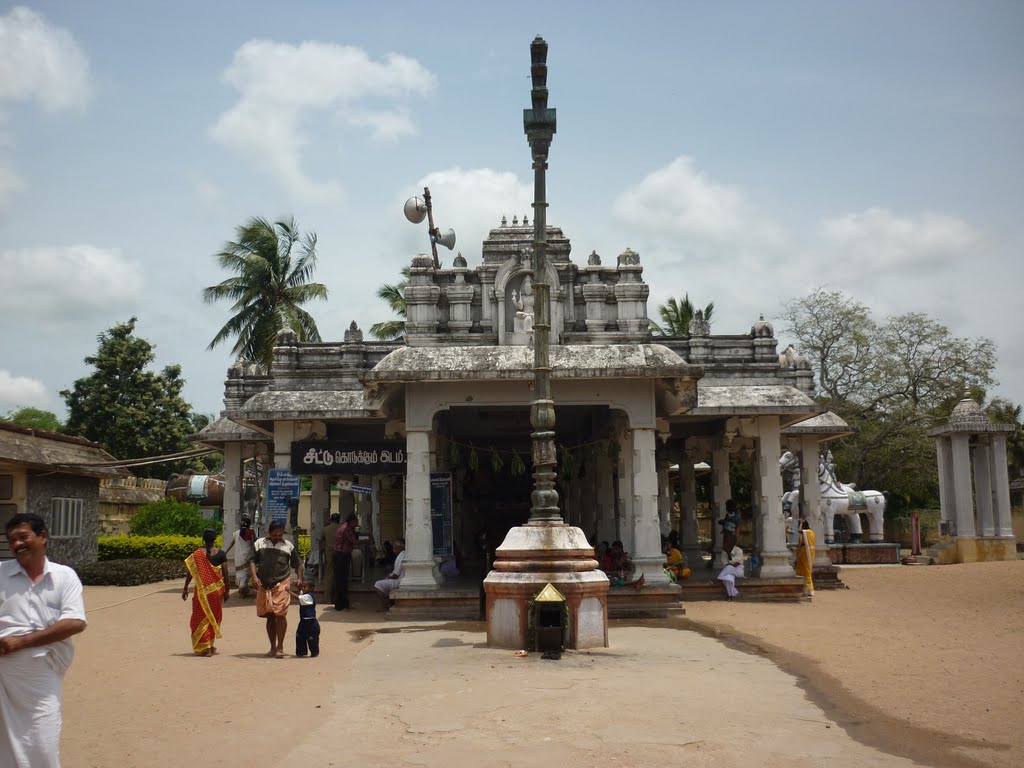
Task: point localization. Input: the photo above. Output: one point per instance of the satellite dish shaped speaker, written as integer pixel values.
(415, 210)
(447, 239)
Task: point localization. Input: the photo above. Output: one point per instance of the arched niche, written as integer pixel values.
(509, 279)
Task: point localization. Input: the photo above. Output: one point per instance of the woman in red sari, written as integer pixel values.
(210, 591)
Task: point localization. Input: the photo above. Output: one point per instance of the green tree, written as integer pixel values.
(129, 410)
(170, 517)
(394, 295)
(1002, 411)
(34, 418)
(272, 265)
(891, 381)
(676, 316)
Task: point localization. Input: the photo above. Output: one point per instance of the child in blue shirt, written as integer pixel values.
(307, 634)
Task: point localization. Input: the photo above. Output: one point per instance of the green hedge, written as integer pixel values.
(129, 573)
(161, 547)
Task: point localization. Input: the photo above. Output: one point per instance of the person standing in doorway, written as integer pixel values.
(241, 542)
(273, 559)
(345, 543)
(41, 608)
(328, 534)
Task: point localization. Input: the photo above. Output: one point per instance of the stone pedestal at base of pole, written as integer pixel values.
(531, 557)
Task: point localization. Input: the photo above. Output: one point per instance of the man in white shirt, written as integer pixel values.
(386, 585)
(242, 542)
(41, 608)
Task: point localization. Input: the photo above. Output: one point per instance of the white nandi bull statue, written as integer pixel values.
(839, 499)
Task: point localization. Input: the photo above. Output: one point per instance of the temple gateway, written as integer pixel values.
(435, 429)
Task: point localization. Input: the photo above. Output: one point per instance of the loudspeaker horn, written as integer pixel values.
(447, 239)
(415, 210)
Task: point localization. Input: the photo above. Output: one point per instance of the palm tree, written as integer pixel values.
(676, 317)
(273, 264)
(394, 295)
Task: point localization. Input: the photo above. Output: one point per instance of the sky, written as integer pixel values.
(749, 152)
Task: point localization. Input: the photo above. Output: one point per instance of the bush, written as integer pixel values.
(148, 547)
(170, 517)
(163, 547)
(129, 573)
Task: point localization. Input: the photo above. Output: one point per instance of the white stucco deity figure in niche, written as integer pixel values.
(522, 300)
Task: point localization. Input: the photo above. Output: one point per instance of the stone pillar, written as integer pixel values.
(664, 498)
(756, 524)
(421, 298)
(460, 301)
(232, 493)
(375, 518)
(631, 295)
(722, 492)
(647, 555)
(962, 486)
(774, 554)
(1001, 488)
(347, 500)
(627, 514)
(319, 503)
(983, 487)
(810, 498)
(947, 500)
(689, 534)
(319, 512)
(594, 294)
(232, 489)
(419, 560)
(605, 500)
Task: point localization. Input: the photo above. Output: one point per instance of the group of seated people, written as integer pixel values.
(618, 566)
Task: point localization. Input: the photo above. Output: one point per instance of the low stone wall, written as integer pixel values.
(120, 499)
(864, 554)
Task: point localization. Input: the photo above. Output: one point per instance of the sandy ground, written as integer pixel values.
(908, 666)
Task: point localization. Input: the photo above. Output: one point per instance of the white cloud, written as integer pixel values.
(21, 392)
(38, 63)
(679, 202)
(57, 284)
(387, 126)
(876, 240)
(280, 85)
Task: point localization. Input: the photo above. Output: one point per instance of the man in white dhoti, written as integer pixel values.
(386, 585)
(41, 608)
(733, 570)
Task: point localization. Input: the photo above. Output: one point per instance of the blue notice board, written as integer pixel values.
(282, 488)
(441, 513)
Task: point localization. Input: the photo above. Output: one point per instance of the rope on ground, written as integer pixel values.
(130, 599)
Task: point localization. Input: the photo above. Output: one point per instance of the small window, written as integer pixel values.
(6, 487)
(65, 518)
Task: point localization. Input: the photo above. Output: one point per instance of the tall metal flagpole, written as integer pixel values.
(539, 125)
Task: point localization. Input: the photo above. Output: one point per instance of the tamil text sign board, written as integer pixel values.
(331, 457)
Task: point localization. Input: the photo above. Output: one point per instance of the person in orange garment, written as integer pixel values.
(208, 567)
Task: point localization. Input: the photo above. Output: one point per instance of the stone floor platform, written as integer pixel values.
(787, 589)
(461, 598)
